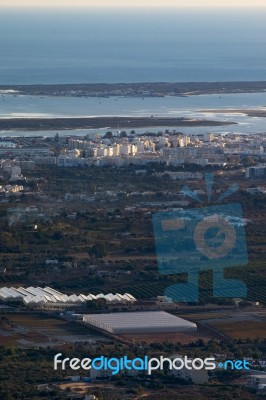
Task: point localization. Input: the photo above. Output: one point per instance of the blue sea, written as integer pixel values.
(91, 46)
(87, 46)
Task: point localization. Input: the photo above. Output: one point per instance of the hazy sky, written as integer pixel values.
(133, 3)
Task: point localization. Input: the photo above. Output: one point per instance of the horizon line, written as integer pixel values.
(11, 7)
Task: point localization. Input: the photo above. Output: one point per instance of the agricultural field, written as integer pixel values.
(235, 324)
(39, 330)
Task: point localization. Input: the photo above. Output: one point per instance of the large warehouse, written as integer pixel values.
(140, 322)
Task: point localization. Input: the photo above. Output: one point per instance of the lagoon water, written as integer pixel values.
(13, 106)
(44, 106)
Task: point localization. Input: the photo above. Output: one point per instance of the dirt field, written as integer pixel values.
(236, 324)
(203, 332)
(243, 330)
(27, 330)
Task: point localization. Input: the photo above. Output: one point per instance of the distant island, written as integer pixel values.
(102, 122)
(149, 89)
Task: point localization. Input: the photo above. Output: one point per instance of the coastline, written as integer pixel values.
(145, 89)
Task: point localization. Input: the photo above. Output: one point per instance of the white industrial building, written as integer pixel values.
(39, 296)
(140, 322)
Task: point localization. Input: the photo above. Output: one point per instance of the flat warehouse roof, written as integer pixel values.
(140, 322)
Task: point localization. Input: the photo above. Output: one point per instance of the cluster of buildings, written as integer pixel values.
(256, 172)
(247, 145)
(11, 188)
(12, 170)
(172, 149)
(181, 175)
(141, 150)
(167, 147)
